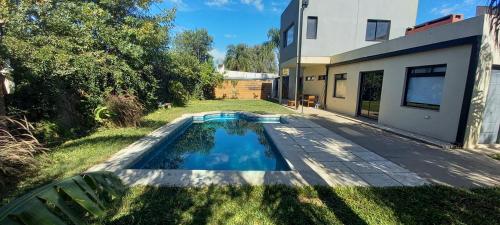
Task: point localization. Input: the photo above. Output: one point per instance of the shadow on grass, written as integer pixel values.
(308, 205)
(152, 205)
(438, 204)
(232, 205)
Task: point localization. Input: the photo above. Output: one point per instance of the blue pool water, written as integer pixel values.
(221, 143)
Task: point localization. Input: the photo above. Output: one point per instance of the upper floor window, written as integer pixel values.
(312, 27)
(310, 78)
(424, 87)
(289, 35)
(378, 30)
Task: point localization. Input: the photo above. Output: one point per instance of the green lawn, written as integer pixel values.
(311, 205)
(260, 204)
(78, 155)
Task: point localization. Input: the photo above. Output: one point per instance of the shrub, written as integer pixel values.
(124, 110)
(18, 147)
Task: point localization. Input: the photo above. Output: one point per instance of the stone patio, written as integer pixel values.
(312, 149)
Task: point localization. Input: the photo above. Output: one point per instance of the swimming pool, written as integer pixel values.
(228, 141)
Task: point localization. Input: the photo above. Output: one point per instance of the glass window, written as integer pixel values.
(289, 36)
(322, 77)
(339, 86)
(312, 27)
(378, 30)
(310, 78)
(424, 87)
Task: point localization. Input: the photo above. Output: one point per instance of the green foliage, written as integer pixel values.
(65, 202)
(273, 35)
(187, 78)
(67, 54)
(48, 132)
(259, 58)
(102, 114)
(195, 42)
(239, 58)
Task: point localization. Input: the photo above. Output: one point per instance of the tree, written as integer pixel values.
(239, 57)
(273, 35)
(196, 42)
(259, 58)
(264, 59)
(67, 55)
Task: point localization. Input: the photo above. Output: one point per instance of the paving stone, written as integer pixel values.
(388, 167)
(345, 179)
(379, 179)
(324, 157)
(336, 167)
(362, 167)
(369, 156)
(332, 157)
(408, 179)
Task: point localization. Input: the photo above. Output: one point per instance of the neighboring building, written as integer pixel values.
(441, 81)
(335, 26)
(246, 85)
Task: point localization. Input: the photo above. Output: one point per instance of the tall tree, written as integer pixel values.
(195, 42)
(239, 57)
(273, 36)
(264, 59)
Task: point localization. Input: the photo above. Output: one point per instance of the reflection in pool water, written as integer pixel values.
(220, 144)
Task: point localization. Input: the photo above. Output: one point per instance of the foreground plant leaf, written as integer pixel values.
(66, 201)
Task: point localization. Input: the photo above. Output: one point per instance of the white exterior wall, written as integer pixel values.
(489, 55)
(342, 24)
(442, 124)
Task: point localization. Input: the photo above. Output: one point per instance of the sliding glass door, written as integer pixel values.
(370, 92)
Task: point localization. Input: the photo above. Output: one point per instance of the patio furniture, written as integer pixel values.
(291, 103)
(309, 100)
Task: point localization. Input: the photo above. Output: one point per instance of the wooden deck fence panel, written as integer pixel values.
(244, 89)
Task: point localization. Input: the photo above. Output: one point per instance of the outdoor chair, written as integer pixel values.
(310, 101)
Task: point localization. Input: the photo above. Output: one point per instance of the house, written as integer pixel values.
(440, 81)
(246, 85)
(334, 26)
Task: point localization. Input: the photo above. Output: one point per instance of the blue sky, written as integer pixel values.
(247, 21)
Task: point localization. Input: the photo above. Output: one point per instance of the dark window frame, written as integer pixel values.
(410, 74)
(322, 77)
(285, 36)
(377, 21)
(315, 28)
(337, 77)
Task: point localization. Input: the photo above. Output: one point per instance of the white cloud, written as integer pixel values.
(218, 56)
(229, 36)
(257, 3)
(217, 3)
(180, 5)
(447, 9)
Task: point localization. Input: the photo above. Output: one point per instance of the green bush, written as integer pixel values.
(48, 132)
